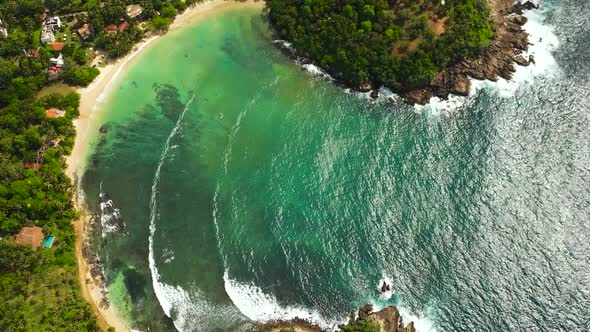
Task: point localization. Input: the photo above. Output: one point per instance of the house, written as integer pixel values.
(111, 28)
(84, 31)
(34, 53)
(32, 236)
(47, 35)
(134, 11)
(48, 29)
(57, 62)
(3, 30)
(57, 46)
(31, 165)
(123, 26)
(53, 113)
(53, 22)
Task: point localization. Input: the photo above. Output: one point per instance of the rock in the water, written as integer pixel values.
(374, 94)
(385, 287)
(531, 59)
(462, 87)
(521, 60)
(365, 87)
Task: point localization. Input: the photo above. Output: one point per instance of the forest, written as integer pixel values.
(400, 44)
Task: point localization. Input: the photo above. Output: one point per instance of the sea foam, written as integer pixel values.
(170, 297)
(261, 307)
(543, 43)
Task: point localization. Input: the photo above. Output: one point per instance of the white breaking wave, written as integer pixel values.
(388, 294)
(421, 322)
(175, 302)
(261, 307)
(543, 42)
(110, 216)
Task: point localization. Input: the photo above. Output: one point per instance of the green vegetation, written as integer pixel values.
(397, 43)
(80, 76)
(363, 325)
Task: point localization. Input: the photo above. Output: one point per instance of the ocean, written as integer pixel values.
(233, 185)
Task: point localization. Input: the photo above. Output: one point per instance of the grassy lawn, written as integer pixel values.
(58, 88)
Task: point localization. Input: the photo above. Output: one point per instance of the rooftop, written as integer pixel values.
(30, 236)
(53, 113)
(56, 46)
(123, 26)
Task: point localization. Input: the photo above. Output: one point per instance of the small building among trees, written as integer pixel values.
(32, 236)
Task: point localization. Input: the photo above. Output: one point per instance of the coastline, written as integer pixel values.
(87, 125)
(506, 49)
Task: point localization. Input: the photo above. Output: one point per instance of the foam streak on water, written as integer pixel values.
(168, 296)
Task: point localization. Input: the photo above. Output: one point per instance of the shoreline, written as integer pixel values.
(507, 48)
(87, 125)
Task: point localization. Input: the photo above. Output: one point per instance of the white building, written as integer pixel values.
(53, 22)
(3, 30)
(134, 11)
(58, 62)
(47, 35)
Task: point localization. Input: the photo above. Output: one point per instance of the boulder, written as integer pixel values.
(462, 87)
(365, 311)
(519, 59)
(531, 59)
(374, 94)
(365, 87)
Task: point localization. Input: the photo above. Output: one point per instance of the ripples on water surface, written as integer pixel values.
(279, 195)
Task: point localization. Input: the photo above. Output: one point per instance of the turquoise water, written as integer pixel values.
(48, 242)
(236, 186)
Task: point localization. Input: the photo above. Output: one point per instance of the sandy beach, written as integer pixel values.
(87, 126)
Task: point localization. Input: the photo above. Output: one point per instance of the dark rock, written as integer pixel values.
(365, 87)
(462, 87)
(365, 310)
(520, 20)
(519, 59)
(529, 5)
(103, 129)
(385, 287)
(374, 94)
(531, 59)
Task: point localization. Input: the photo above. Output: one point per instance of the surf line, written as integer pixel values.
(157, 286)
(249, 298)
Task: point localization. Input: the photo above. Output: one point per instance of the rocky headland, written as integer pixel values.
(498, 60)
(385, 320)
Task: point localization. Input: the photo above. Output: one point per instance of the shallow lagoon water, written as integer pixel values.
(251, 189)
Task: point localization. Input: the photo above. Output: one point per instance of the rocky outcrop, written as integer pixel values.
(388, 319)
(496, 61)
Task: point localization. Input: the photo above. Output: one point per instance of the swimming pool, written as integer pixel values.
(48, 241)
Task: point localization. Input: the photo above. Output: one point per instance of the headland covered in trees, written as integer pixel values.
(417, 48)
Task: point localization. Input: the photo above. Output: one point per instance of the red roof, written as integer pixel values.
(53, 113)
(123, 26)
(33, 53)
(83, 29)
(31, 165)
(112, 27)
(57, 46)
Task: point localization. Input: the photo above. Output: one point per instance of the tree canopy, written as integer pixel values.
(386, 42)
